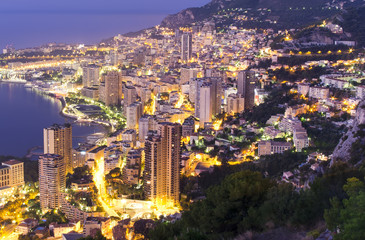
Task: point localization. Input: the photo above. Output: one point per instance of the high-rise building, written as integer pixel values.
(113, 57)
(246, 84)
(110, 90)
(193, 86)
(216, 93)
(235, 103)
(188, 127)
(57, 139)
(186, 47)
(145, 125)
(90, 75)
(162, 165)
(153, 151)
(134, 113)
(132, 168)
(203, 104)
(16, 171)
(130, 96)
(208, 98)
(187, 74)
(168, 179)
(52, 180)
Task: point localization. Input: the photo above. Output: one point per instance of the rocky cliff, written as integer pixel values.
(288, 10)
(351, 147)
(192, 15)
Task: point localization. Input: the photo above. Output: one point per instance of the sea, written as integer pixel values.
(31, 29)
(24, 112)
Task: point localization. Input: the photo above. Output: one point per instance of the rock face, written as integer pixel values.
(191, 15)
(351, 146)
(182, 18)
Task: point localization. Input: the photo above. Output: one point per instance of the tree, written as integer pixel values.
(348, 218)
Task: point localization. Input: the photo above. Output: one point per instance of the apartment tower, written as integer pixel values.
(162, 165)
(57, 139)
(52, 180)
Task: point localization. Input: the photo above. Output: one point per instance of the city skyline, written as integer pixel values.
(237, 119)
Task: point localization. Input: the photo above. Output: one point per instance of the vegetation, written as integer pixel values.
(354, 23)
(245, 201)
(347, 217)
(271, 106)
(55, 216)
(323, 133)
(115, 179)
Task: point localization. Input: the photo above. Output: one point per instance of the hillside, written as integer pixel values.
(280, 13)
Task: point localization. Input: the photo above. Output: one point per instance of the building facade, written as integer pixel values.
(246, 84)
(57, 139)
(52, 180)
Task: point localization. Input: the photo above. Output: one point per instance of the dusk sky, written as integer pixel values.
(135, 6)
(25, 23)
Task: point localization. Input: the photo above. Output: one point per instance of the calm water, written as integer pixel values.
(30, 29)
(23, 115)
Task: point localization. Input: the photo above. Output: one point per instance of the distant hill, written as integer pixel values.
(287, 13)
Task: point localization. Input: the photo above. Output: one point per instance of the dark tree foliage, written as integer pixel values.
(245, 201)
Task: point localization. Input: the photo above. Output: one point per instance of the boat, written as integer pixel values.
(28, 85)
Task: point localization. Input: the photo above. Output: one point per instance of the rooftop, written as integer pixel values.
(12, 162)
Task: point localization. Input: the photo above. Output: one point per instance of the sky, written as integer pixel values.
(101, 6)
(30, 23)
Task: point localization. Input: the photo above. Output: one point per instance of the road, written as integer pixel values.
(8, 232)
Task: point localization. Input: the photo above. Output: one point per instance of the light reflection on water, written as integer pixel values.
(24, 113)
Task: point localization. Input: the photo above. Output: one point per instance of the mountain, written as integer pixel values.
(280, 13)
(351, 147)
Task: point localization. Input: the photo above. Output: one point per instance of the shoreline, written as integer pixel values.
(31, 151)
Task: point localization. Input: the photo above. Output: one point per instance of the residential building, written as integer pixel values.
(90, 75)
(130, 96)
(272, 147)
(110, 90)
(319, 92)
(186, 47)
(96, 223)
(134, 113)
(131, 170)
(235, 104)
(52, 180)
(187, 74)
(246, 83)
(16, 172)
(162, 165)
(57, 139)
(188, 127)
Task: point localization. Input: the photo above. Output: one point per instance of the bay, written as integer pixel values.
(24, 113)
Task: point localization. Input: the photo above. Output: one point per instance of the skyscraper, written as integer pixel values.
(57, 139)
(208, 97)
(90, 75)
(110, 91)
(130, 96)
(113, 57)
(162, 165)
(186, 47)
(246, 84)
(168, 181)
(145, 125)
(203, 104)
(52, 180)
(187, 74)
(134, 113)
(153, 151)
